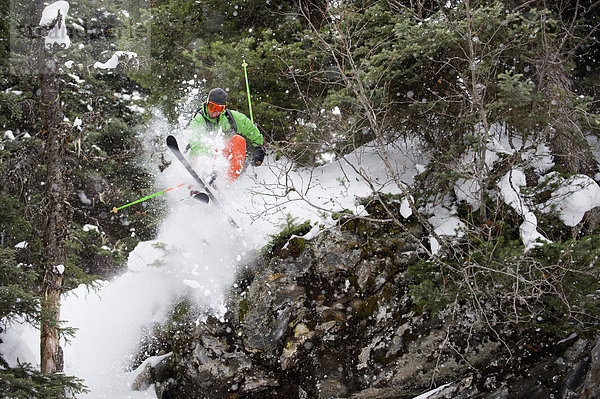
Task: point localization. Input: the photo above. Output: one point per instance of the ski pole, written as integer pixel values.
(115, 209)
(244, 65)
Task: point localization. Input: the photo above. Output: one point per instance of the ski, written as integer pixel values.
(174, 147)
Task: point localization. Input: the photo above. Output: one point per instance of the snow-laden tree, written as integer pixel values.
(68, 154)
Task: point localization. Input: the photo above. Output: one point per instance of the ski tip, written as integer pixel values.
(171, 141)
(233, 223)
(202, 197)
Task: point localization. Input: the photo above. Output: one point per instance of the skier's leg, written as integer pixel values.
(235, 152)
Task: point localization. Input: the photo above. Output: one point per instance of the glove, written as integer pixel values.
(258, 156)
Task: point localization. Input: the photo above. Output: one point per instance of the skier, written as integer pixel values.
(238, 129)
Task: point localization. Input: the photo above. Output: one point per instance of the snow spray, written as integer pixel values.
(193, 257)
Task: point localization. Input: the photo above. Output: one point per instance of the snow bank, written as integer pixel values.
(278, 188)
(16, 344)
(194, 256)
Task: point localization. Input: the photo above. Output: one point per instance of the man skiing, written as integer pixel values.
(236, 127)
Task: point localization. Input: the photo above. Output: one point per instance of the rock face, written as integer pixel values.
(333, 318)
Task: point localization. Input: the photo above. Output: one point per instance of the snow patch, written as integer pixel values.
(576, 196)
(405, 209)
(15, 344)
(146, 253)
(510, 191)
(84, 199)
(444, 223)
(429, 394)
(9, 135)
(76, 78)
(90, 227)
(22, 245)
(529, 234)
(313, 233)
(468, 190)
(152, 361)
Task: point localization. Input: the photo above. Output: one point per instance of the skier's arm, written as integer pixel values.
(246, 128)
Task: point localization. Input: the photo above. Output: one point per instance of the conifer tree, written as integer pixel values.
(202, 45)
(58, 219)
(59, 166)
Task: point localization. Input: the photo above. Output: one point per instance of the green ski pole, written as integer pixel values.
(244, 65)
(115, 209)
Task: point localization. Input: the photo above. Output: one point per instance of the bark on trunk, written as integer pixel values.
(566, 139)
(57, 215)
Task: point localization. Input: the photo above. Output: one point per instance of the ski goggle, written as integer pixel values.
(212, 107)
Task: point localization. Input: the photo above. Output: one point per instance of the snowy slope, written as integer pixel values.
(312, 194)
(196, 252)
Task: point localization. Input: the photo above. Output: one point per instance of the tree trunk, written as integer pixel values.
(57, 216)
(566, 139)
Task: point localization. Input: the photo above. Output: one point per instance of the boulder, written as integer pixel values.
(333, 317)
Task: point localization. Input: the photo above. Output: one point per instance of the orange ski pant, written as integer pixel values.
(235, 152)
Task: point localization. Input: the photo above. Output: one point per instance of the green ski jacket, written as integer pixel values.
(229, 122)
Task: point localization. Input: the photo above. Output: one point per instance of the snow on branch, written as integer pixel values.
(114, 60)
(53, 17)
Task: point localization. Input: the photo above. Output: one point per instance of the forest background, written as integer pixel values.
(326, 78)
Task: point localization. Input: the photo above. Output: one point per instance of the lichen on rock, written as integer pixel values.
(336, 317)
